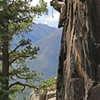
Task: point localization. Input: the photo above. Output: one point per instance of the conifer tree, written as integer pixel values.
(16, 17)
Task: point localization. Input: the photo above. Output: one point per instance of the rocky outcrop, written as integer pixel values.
(79, 61)
(49, 96)
(95, 93)
(34, 96)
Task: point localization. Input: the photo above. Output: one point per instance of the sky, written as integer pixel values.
(47, 19)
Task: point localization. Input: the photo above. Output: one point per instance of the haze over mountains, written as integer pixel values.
(48, 39)
(40, 31)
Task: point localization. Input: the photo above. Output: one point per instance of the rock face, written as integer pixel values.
(49, 96)
(34, 96)
(79, 62)
(95, 93)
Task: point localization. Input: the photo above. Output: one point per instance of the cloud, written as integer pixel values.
(52, 21)
(34, 2)
(47, 19)
(45, 22)
(54, 17)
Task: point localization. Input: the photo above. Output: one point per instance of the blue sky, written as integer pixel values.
(47, 19)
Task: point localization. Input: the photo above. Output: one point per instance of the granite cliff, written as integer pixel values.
(79, 62)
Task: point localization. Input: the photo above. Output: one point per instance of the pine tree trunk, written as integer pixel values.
(79, 61)
(5, 69)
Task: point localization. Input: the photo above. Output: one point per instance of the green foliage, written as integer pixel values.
(3, 92)
(46, 86)
(43, 88)
(16, 18)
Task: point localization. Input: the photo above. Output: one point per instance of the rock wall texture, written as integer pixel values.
(49, 96)
(79, 62)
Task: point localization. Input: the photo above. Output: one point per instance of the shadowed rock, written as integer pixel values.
(95, 93)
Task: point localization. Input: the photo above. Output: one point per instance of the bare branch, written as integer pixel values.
(23, 44)
(22, 84)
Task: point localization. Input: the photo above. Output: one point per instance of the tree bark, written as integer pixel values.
(79, 60)
(5, 69)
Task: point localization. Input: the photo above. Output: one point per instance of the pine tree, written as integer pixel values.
(16, 17)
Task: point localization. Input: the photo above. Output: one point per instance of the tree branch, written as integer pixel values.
(22, 84)
(0, 57)
(24, 10)
(22, 77)
(0, 73)
(17, 57)
(16, 29)
(11, 4)
(22, 44)
(19, 20)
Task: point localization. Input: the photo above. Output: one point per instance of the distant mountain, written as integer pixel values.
(40, 31)
(47, 59)
(48, 39)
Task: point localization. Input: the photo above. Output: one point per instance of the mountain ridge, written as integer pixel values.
(40, 31)
(49, 52)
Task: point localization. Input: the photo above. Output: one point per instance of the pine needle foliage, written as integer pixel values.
(16, 18)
